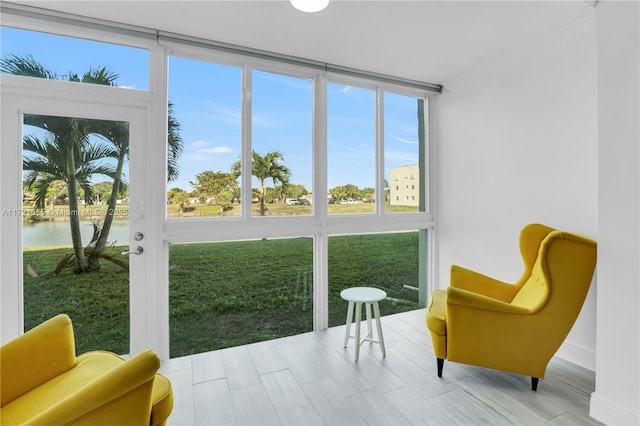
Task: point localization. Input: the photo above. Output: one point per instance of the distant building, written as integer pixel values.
(404, 186)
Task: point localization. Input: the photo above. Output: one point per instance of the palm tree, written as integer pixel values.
(64, 154)
(267, 167)
(67, 152)
(77, 140)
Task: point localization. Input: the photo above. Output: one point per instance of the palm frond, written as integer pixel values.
(26, 66)
(103, 76)
(174, 146)
(97, 152)
(34, 145)
(40, 187)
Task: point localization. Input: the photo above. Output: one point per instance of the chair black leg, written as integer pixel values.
(534, 383)
(440, 365)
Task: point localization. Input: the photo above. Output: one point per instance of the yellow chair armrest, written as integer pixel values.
(36, 357)
(464, 298)
(475, 282)
(119, 396)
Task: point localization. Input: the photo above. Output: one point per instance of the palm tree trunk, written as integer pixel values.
(98, 250)
(263, 193)
(81, 264)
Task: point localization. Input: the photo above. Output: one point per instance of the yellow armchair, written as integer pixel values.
(43, 382)
(516, 327)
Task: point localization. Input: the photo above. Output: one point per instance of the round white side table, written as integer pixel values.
(370, 297)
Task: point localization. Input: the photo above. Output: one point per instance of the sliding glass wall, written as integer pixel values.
(278, 186)
(247, 212)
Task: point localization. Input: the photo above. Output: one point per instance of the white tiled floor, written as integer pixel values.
(311, 379)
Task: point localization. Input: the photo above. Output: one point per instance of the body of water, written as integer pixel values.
(58, 233)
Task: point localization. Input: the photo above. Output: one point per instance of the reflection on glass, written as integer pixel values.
(403, 138)
(281, 134)
(75, 210)
(386, 261)
(205, 104)
(231, 293)
(350, 149)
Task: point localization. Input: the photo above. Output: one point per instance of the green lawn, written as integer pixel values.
(87, 213)
(227, 293)
(283, 210)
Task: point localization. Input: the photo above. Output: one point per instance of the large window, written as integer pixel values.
(358, 173)
(205, 108)
(403, 142)
(206, 102)
(278, 186)
(281, 135)
(237, 292)
(74, 59)
(388, 261)
(351, 143)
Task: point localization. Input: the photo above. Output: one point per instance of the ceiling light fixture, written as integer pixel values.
(309, 5)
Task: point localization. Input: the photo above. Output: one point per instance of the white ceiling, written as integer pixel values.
(428, 41)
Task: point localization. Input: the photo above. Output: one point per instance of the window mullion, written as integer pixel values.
(379, 136)
(245, 178)
(319, 190)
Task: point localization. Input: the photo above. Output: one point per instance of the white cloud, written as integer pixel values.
(202, 150)
(216, 150)
(345, 89)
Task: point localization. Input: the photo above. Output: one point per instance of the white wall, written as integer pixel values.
(517, 144)
(617, 396)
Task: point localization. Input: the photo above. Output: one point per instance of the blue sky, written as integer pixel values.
(207, 104)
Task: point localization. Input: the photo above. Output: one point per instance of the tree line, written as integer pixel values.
(58, 193)
(222, 188)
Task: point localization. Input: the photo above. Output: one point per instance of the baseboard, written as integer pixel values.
(609, 413)
(577, 354)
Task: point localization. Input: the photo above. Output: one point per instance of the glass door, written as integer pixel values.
(73, 230)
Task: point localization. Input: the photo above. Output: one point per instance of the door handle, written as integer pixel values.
(137, 250)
